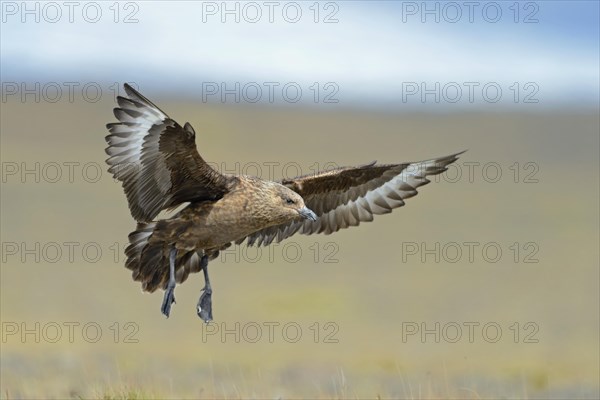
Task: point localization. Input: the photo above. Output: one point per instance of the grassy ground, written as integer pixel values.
(336, 314)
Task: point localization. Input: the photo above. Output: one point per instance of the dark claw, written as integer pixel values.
(167, 301)
(204, 309)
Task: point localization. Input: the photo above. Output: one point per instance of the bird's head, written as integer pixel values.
(285, 204)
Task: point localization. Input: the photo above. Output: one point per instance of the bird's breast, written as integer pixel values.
(216, 224)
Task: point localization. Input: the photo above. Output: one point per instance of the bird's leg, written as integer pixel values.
(205, 303)
(170, 291)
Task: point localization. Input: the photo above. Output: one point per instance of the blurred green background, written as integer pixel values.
(373, 292)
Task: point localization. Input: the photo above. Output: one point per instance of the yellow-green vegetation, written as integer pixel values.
(344, 317)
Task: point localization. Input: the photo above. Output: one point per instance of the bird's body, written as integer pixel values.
(157, 161)
(212, 224)
(203, 228)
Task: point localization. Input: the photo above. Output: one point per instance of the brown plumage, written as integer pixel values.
(157, 162)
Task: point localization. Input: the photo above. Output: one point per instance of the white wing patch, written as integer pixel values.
(127, 138)
(381, 200)
(133, 147)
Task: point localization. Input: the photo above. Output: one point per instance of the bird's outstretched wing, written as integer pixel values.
(156, 159)
(347, 196)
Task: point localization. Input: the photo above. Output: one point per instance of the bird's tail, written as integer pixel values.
(149, 260)
(146, 260)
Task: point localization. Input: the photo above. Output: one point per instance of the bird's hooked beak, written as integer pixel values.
(307, 213)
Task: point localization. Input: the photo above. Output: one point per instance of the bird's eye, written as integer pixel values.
(289, 201)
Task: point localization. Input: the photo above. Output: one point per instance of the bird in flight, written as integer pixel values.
(160, 168)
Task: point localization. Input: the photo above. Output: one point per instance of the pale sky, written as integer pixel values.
(371, 53)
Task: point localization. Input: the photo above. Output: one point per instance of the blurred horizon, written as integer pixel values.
(539, 55)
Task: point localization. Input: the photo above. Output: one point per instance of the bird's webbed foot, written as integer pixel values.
(204, 308)
(205, 305)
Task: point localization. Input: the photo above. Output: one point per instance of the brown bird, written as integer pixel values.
(157, 162)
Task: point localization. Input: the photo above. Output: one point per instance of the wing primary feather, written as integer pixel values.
(347, 196)
(156, 159)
